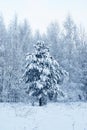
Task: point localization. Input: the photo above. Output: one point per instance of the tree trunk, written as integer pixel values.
(40, 102)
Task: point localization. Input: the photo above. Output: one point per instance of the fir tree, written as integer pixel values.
(43, 75)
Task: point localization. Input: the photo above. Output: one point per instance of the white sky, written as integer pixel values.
(40, 13)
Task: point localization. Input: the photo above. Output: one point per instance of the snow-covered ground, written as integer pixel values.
(58, 116)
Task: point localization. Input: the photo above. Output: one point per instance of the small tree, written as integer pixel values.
(43, 75)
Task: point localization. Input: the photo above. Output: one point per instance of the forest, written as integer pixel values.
(67, 52)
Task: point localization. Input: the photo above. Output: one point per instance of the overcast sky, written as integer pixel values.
(40, 13)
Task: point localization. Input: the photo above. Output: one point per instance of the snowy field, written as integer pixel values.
(58, 116)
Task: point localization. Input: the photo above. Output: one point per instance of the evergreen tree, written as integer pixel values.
(43, 75)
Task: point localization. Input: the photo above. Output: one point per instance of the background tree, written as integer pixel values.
(13, 60)
(2, 55)
(53, 38)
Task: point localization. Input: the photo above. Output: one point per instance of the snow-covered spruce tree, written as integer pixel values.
(43, 75)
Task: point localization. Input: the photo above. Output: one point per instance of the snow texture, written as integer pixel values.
(60, 116)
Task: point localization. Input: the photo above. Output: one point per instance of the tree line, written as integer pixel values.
(68, 45)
